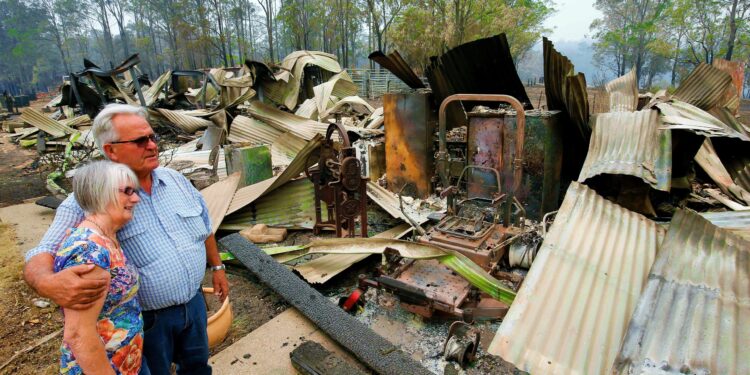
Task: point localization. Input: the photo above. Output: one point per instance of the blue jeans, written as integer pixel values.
(176, 334)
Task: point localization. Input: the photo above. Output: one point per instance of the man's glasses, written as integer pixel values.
(140, 141)
(128, 190)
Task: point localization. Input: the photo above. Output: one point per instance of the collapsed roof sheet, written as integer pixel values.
(395, 64)
(565, 90)
(299, 126)
(678, 115)
(44, 123)
(218, 196)
(187, 123)
(290, 206)
(630, 143)
(483, 66)
(623, 93)
(248, 129)
(249, 194)
(737, 222)
(285, 91)
(705, 87)
(693, 315)
(736, 70)
(572, 310)
(340, 86)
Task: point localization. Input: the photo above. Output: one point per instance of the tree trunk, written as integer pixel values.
(732, 31)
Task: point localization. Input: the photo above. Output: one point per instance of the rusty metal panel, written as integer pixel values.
(491, 143)
(705, 87)
(571, 312)
(488, 145)
(565, 90)
(623, 93)
(630, 143)
(694, 314)
(409, 147)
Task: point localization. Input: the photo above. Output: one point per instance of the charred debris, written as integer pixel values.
(587, 234)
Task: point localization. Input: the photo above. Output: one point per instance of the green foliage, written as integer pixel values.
(428, 28)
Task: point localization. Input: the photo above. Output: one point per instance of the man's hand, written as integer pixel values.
(66, 288)
(221, 285)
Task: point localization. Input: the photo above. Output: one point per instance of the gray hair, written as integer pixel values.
(97, 184)
(102, 129)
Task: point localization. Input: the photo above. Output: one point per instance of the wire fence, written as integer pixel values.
(374, 83)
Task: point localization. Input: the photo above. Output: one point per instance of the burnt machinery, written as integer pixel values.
(339, 185)
(478, 221)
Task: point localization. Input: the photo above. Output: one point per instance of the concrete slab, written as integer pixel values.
(266, 350)
(29, 221)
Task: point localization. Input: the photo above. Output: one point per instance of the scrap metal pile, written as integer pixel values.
(633, 224)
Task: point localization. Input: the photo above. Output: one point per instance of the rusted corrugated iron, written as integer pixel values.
(692, 317)
(736, 69)
(630, 143)
(623, 93)
(291, 206)
(483, 66)
(679, 115)
(565, 90)
(705, 87)
(571, 312)
(395, 64)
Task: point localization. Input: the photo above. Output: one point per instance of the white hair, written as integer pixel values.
(103, 131)
(97, 184)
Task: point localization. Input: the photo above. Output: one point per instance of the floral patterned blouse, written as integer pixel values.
(120, 324)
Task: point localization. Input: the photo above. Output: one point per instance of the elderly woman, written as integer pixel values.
(106, 338)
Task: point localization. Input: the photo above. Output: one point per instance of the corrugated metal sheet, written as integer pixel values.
(199, 159)
(705, 87)
(189, 124)
(248, 129)
(249, 194)
(287, 92)
(285, 148)
(395, 64)
(630, 143)
(152, 93)
(483, 66)
(571, 312)
(338, 86)
(39, 120)
(82, 120)
(218, 196)
(299, 126)
(736, 70)
(389, 202)
(565, 90)
(322, 269)
(291, 206)
(358, 104)
(308, 109)
(694, 314)
(680, 115)
(623, 93)
(733, 221)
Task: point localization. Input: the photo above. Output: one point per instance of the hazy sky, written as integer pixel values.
(572, 19)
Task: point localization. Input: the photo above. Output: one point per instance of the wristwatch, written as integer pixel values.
(218, 268)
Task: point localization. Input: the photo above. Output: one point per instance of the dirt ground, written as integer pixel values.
(252, 303)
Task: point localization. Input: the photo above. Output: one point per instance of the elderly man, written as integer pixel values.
(169, 240)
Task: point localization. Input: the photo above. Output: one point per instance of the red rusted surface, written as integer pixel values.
(409, 148)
